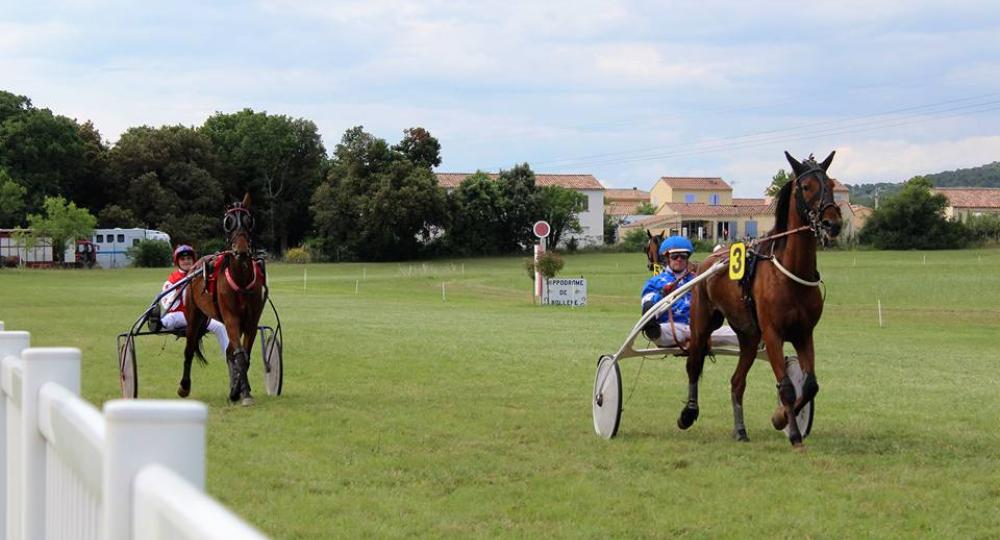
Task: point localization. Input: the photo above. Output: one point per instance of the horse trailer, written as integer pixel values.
(113, 244)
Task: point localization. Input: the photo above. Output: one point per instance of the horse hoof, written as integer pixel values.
(183, 392)
(741, 435)
(778, 419)
(687, 417)
(247, 401)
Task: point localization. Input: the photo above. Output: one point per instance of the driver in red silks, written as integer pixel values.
(173, 303)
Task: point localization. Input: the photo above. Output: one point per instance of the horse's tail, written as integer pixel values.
(197, 343)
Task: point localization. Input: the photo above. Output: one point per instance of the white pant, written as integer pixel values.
(175, 320)
(723, 336)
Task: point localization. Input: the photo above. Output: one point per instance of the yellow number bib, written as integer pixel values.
(737, 260)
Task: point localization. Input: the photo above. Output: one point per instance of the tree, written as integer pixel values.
(279, 160)
(645, 208)
(476, 209)
(420, 147)
(611, 224)
(914, 219)
(115, 216)
(11, 201)
(63, 222)
(520, 208)
(162, 176)
(560, 206)
(376, 203)
(44, 151)
(778, 181)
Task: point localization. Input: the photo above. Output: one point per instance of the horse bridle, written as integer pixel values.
(812, 215)
(237, 218)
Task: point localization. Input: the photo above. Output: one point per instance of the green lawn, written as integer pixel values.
(406, 415)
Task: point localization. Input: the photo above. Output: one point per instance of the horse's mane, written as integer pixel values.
(781, 214)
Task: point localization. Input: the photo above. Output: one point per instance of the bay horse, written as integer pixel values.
(655, 262)
(230, 289)
(778, 300)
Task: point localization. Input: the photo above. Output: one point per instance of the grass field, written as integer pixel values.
(406, 415)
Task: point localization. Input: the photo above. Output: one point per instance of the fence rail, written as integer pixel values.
(67, 470)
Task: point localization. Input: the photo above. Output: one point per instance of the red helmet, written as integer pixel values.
(183, 249)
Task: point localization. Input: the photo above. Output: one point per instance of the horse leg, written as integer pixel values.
(738, 383)
(190, 347)
(233, 359)
(785, 415)
(807, 360)
(244, 363)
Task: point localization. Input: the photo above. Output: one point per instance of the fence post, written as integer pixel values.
(139, 433)
(41, 365)
(11, 344)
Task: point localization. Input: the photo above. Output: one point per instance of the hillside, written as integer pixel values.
(982, 176)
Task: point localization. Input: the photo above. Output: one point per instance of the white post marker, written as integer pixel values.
(356, 283)
(305, 277)
(443, 299)
(879, 300)
(541, 229)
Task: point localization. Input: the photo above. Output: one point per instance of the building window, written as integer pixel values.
(689, 198)
(121, 238)
(751, 228)
(713, 199)
(99, 239)
(586, 203)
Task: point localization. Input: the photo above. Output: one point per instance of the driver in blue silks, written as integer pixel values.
(671, 328)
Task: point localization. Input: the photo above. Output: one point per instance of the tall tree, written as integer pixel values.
(560, 207)
(376, 203)
(63, 222)
(914, 219)
(778, 181)
(11, 201)
(420, 147)
(477, 216)
(279, 160)
(521, 210)
(163, 177)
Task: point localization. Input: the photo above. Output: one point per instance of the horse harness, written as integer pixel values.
(753, 256)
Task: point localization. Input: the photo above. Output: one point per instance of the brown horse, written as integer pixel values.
(236, 299)
(779, 301)
(655, 263)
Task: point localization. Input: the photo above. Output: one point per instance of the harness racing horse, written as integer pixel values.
(232, 290)
(778, 300)
(655, 262)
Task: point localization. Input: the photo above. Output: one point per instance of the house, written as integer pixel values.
(592, 216)
(704, 208)
(624, 202)
(965, 202)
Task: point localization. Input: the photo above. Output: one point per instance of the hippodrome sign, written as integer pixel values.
(565, 292)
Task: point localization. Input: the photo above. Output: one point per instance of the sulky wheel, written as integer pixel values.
(607, 398)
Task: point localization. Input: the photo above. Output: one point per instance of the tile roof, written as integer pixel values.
(620, 208)
(710, 211)
(626, 195)
(571, 181)
(971, 197)
(749, 202)
(694, 182)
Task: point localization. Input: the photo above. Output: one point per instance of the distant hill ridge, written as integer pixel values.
(983, 176)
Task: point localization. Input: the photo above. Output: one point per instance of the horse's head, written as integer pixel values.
(655, 261)
(238, 224)
(813, 192)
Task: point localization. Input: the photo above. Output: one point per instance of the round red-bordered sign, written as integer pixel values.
(542, 229)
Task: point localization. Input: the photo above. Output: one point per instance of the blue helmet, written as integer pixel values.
(676, 244)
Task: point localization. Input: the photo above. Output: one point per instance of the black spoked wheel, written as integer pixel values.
(128, 373)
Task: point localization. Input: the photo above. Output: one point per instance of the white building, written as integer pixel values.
(113, 244)
(592, 216)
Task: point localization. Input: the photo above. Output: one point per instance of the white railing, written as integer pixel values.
(69, 471)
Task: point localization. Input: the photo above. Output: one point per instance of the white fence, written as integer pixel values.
(71, 472)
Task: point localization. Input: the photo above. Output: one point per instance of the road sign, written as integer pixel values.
(541, 229)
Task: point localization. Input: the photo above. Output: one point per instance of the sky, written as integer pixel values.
(628, 91)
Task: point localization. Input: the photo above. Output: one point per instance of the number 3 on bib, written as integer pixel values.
(737, 260)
